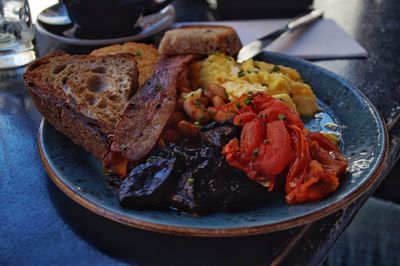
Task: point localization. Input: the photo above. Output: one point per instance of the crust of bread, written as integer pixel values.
(200, 39)
(53, 104)
(72, 125)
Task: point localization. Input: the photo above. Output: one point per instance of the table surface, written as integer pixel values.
(41, 225)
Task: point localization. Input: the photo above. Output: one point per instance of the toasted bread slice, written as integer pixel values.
(83, 96)
(202, 40)
(146, 56)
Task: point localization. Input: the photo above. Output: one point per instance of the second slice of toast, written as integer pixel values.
(146, 56)
(200, 39)
(83, 96)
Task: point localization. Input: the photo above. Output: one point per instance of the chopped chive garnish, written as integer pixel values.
(275, 68)
(138, 53)
(281, 117)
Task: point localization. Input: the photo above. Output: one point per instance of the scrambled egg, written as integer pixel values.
(278, 81)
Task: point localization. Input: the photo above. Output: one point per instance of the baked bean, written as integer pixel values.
(203, 100)
(209, 95)
(196, 111)
(175, 118)
(188, 130)
(218, 90)
(217, 101)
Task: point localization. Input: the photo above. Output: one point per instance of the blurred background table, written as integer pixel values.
(40, 225)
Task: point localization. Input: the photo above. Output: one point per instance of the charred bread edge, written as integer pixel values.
(72, 124)
(62, 116)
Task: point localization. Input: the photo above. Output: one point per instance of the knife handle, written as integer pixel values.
(303, 20)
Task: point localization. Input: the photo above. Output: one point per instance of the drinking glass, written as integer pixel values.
(16, 34)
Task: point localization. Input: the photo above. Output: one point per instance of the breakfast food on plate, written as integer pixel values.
(202, 133)
(254, 76)
(202, 40)
(192, 176)
(267, 143)
(146, 56)
(146, 115)
(231, 123)
(83, 96)
(273, 139)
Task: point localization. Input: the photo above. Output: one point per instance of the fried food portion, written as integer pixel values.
(146, 115)
(146, 56)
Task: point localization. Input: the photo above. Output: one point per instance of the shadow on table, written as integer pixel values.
(133, 246)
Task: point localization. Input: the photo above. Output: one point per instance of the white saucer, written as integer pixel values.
(150, 25)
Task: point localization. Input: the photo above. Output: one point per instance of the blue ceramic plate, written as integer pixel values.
(364, 142)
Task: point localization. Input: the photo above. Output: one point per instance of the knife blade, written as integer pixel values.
(255, 47)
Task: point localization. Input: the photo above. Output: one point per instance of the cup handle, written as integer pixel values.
(154, 6)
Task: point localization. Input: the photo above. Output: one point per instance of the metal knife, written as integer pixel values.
(252, 49)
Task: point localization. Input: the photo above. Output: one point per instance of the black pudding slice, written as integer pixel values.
(192, 177)
(149, 184)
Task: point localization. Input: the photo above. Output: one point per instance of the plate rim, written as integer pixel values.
(95, 42)
(234, 231)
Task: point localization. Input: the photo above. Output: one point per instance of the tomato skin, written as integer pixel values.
(298, 170)
(320, 175)
(275, 155)
(277, 109)
(272, 109)
(233, 156)
(243, 118)
(323, 141)
(273, 138)
(317, 186)
(333, 162)
(252, 136)
(265, 147)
